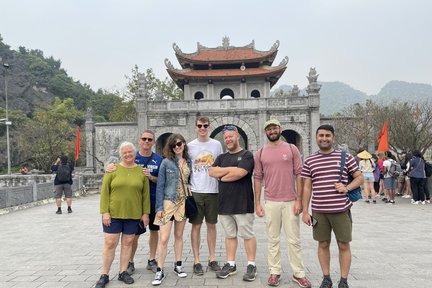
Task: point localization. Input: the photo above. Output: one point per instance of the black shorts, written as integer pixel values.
(152, 227)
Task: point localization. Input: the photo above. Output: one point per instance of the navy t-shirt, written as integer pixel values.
(152, 163)
(236, 197)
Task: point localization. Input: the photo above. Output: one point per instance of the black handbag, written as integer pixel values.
(190, 204)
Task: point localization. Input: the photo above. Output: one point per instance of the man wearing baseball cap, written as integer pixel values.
(279, 164)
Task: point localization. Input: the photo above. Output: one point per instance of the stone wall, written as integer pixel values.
(29, 188)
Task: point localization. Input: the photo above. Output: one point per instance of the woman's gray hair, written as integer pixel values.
(126, 144)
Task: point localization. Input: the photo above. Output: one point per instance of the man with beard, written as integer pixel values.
(279, 164)
(330, 203)
(234, 170)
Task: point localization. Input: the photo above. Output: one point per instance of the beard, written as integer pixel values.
(273, 138)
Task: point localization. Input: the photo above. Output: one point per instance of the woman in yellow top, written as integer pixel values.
(124, 202)
(171, 191)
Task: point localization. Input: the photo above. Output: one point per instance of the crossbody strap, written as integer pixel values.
(342, 166)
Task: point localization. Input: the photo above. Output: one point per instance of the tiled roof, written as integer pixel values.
(216, 55)
(226, 72)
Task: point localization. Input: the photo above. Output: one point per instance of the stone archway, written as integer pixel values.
(242, 125)
(293, 137)
(218, 135)
(161, 141)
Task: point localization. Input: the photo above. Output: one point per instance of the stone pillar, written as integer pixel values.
(266, 89)
(243, 90)
(89, 134)
(187, 93)
(210, 92)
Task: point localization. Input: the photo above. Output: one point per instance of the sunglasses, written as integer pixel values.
(145, 139)
(203, 125)
(229, 128)
(178, 145)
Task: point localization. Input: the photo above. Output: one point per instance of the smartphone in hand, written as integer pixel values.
(314, 221)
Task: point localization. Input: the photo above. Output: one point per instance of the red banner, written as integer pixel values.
(77, 143)
(383, 145)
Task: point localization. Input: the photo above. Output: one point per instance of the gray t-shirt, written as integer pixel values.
(203, 155)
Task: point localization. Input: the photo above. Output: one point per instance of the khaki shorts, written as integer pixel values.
(207, 206)
(63, 188)
(240, 225)
(340, 223)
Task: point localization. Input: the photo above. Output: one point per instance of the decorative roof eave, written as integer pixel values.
(256, 55)
(271, 74)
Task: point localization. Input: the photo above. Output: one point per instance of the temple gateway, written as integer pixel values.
(230, 85)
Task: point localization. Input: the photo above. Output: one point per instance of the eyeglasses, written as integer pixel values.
(178, 145)
(202, 125)
(229, 128)
(145, 139)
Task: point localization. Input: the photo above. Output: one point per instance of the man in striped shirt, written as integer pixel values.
(330, 203)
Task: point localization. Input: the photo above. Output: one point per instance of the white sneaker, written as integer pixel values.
(159, 277)
(423, 202)
(412, 201)
(415, 202)
(179, 271)
(428, 201)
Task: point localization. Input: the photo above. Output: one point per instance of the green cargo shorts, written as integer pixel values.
(207, 206)
(340, 223)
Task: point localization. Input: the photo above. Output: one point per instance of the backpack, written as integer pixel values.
(428, 169)
(395, 169)
(63, 173)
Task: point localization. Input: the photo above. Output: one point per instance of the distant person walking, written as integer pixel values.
(367, 166)
(63, 182)
(417, 177)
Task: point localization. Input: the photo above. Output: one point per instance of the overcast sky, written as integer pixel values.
(364, 43)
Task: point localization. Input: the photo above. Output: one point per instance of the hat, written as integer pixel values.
(364, 155)
(271, 122)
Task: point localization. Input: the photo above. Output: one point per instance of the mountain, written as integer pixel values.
(400, 90)
(335, 96)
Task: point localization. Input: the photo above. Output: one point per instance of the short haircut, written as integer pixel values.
(63, 159)
(202, 119)
(126, 144)
(148, 131)
(326, 127)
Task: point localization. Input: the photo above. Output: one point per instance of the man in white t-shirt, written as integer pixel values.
(203, 152)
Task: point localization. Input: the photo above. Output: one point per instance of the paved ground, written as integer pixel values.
(391, 248)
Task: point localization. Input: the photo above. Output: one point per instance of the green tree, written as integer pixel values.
(50, 133)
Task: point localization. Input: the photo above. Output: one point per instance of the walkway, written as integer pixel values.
(391, 248)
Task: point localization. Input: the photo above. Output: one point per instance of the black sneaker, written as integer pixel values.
(251, 272)
(214, 266)
(326, 283)
(69, 210)
(103, 280)
(159, 277)
(227, 270)
(125, 277)
(59, 211)
(131, 268)
(179, 271)
(152, 265)
(343, 284)
(197, 269)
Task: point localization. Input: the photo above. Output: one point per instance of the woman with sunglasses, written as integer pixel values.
(171, 192)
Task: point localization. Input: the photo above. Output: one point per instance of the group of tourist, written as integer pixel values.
(385, 175)
(146, 190)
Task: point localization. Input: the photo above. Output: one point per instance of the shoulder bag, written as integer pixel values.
(355, 194)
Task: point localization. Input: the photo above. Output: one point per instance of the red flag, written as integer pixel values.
(383, 145)
(77, 143)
